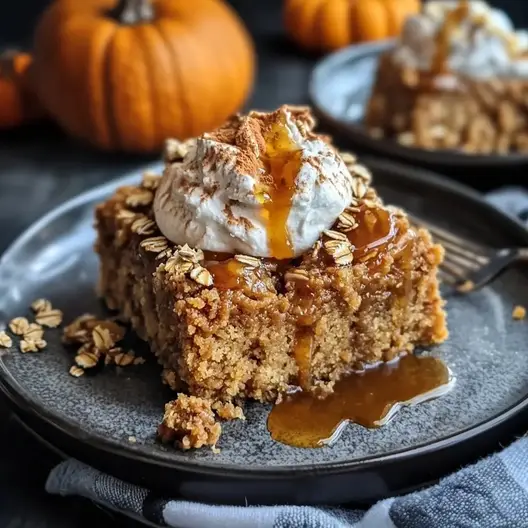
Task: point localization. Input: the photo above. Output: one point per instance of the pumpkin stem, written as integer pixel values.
(133, 11)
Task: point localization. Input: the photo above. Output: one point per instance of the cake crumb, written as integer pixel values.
(466, 286)
(132, 439)
(189, 422)
(519, 313)
(228, 411)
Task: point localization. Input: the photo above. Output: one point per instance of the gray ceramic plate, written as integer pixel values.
(340, 88)
(93, 417)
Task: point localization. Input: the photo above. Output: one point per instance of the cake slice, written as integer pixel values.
(229, 325)
(457, 79)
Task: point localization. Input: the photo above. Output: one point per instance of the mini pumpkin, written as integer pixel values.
(18, 104)
(126, 75)
(331, 24)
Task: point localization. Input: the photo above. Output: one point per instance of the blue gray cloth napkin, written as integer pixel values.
(492, 493)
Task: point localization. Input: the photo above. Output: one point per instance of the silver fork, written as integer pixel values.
(468, 265)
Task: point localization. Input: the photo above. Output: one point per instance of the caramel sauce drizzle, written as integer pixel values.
(377, 228)
(281, 161)
(443, 39)
(369, 398)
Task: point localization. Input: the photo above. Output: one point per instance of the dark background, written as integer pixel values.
(40, 167)
(18, 17)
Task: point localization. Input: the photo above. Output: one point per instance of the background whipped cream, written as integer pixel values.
(209, 203)
(490, 49)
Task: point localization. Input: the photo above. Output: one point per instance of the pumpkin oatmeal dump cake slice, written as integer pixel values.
(262, 260)
(457, 79)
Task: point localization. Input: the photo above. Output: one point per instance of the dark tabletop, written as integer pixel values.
(40, 168)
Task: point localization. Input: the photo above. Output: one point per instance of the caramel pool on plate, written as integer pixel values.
(369, 398)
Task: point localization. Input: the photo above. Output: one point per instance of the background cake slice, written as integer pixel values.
(457, 79)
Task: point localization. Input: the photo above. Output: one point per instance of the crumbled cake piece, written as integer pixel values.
(189, 422)
(228, 411)
(519, 312)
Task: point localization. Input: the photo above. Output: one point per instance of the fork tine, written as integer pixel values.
(458, 260)
(462, 254)
(456, 243)
(457, 272)
(447, 278)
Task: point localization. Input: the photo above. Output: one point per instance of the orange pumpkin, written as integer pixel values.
(332, 24)
(17, 102)
(127, 76)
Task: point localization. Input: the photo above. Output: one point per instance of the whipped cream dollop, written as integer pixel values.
(481, 40)
(219, 197)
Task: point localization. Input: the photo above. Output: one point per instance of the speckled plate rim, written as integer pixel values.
(358, 134)
(21, 398)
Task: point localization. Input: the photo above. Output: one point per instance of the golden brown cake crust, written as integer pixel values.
(480, 116)
(229, 344)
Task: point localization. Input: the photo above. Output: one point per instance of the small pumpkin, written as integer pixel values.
(125, 75)
(18, 104)
(326, 25)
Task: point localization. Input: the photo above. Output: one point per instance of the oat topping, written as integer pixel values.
(5, 340)
(165, 254)
(143, 226)
(336, 235)
(360, 188)
(124, 359)
(19, 325)
(87, 356)
(192, 255)
(201, 276)
(34, 332)
(41, 305)
(297, 275)
(28, 346)
(252, 262)
(176, 264)
(156, 244)
(126, 215)
(175, 150)
(76, 371)
(346, 222)
(363, 173)
(50, 318)
(97, 338)
(140, 197)
(150, 180)
(348, 158)
(102, 338)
